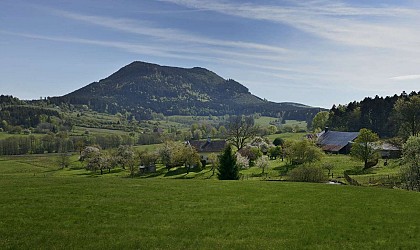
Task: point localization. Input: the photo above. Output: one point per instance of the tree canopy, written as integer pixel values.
(411, 158)
(364, 148)
(240, 129)
(407, 111)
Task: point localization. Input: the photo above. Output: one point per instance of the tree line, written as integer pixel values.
(388, 117)
(59, 143)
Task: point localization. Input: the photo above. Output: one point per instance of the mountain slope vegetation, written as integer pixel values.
(143, 88)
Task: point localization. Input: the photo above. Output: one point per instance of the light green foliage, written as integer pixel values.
(411, 157)
(173, 154)
(363, 147)
(63, 160)
(214, 161)
(190, 157)
(126, 158)
(147, 158)
(303, 151)
(170, 154)
(271, 129)
(307, 174)
(328, 166)
(320, 120)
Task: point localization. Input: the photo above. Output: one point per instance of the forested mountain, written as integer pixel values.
(377, 114)
(143, 88)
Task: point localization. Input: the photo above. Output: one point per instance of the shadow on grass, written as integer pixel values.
(199, 174)
(284, 169)
(360, 171)
(259, 175)
(153, 175)
(182, 170)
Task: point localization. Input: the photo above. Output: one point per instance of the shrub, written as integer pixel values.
(307, 174)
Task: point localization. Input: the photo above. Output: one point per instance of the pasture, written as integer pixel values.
(44, 207)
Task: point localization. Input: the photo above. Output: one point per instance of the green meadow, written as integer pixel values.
(44, 207)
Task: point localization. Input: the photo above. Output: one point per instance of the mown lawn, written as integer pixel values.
(72, 210)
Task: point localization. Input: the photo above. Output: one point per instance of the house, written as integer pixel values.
(205, 148)
(389, 151)
(336, 142)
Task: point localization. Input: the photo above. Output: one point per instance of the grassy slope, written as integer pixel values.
(72, 209)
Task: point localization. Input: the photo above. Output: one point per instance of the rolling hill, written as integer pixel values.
(142, 88)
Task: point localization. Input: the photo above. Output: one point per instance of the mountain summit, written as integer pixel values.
(142, 88)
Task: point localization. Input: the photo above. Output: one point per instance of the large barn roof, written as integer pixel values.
(334, 141)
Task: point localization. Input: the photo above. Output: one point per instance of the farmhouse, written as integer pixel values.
(335, 141)
(389, 151)
(205, 148)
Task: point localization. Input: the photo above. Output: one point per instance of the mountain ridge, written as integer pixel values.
(143, 88)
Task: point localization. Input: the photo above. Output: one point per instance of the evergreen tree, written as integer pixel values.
(228, 170)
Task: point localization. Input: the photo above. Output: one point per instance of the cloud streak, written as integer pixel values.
(142, 28)
(377, 27)
(405, 78)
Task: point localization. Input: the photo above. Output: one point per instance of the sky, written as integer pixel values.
(315, 52)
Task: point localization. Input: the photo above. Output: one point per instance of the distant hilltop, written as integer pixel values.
(144, 88)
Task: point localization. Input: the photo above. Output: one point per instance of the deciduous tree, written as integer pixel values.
(411, 158)
(320, 120)
(364, 147)
(262, 163)
(240, 129)
(303, 151)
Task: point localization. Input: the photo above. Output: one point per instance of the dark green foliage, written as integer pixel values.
(275, 152)
(376, 114)
(228, 170)
(278, 141)
(26, 116)
(144, 89)
(407, 114)
(58, 143)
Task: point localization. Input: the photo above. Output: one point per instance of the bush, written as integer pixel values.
(307, 174)
(303, 151)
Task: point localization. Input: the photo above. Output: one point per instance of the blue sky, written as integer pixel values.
(316, 52)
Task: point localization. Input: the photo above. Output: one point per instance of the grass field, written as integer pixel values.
(43, 207)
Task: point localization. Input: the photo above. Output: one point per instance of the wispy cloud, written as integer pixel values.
(144, 28)
(405, 78)
(380, 27)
